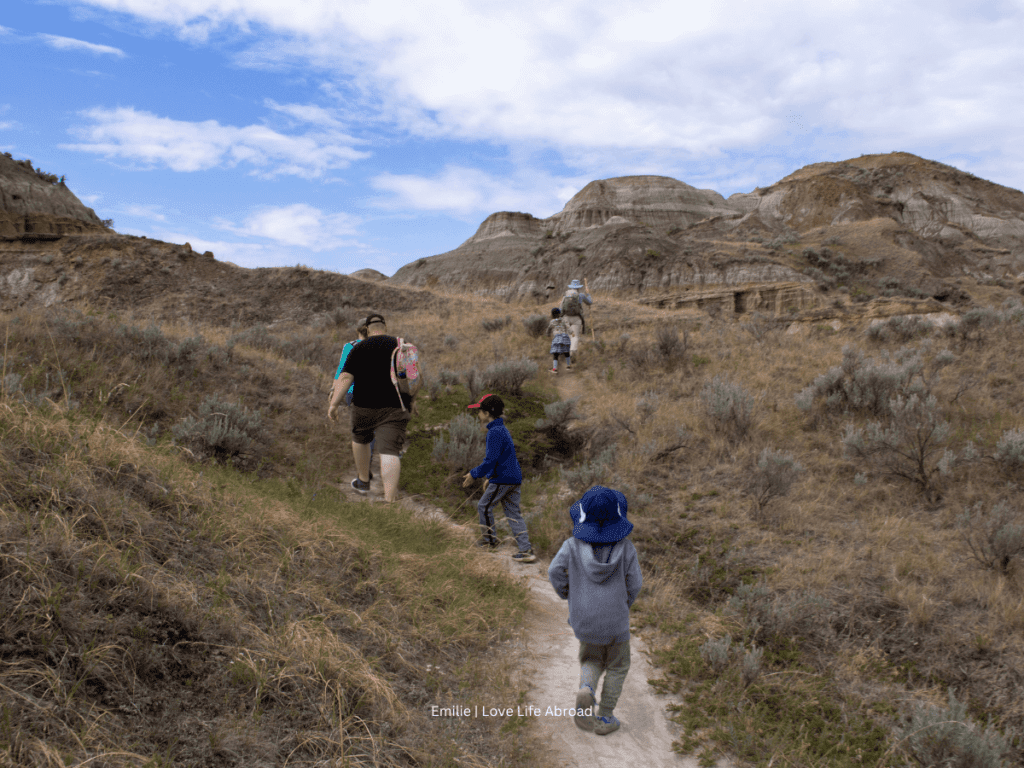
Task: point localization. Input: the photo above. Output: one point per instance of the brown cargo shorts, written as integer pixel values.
(387, 425)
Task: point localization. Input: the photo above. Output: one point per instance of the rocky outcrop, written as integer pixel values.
(33, 202)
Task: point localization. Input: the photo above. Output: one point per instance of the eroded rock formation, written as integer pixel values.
(33, 202)
(921, 223)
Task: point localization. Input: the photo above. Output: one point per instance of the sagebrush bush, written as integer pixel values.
(945, 736)
(973, 324)
(867, 386)
(496, 323)
(716, 653)
(776, 617)
(465, 445)
(222, 431)
(911, 445)
(729, 407)
(558, 414)
(994, 536)
(900, 328)
(474, 382)
(589, 473)
(773, 476)
(752, 665)
(536, 325)
(508, 376)
(1009, 453)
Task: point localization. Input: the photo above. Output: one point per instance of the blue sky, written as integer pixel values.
(347, 134)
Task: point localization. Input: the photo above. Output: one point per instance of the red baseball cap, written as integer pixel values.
(491, 409)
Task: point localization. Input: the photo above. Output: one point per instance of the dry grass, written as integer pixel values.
(154, 616)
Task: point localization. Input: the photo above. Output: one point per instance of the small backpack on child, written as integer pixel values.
(404, 370)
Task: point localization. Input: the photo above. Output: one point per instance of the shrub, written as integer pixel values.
(716, 653)
(465, 446)
(450, 341)
(589, 473)
(945, 736)
(508, 376)
(536, 325)
(647, 405)
(728, 406)
(558, 414)
(911, 446)
(973, 324)
(496, 324)
(143, 344)
(257, 337)
(993, 537)
(771, 617)
(669, 345)
(223, 430)
(900, 328)
(773, 476)
(1010, 451)
(762, 327)
(474, 382)
(752, 665)
(861, 385)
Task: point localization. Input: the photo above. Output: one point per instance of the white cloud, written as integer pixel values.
(151, 212)
(306, 113)
(71, 44)
(186, 146)
(660, 74)
(298, 225)
(465, 191)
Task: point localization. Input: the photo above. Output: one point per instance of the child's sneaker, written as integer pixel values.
(524, 557)
(605, 725)
(584, 701)
(360, 487)
(553, 370)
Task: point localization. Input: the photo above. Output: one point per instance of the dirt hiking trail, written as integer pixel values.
(551, 667)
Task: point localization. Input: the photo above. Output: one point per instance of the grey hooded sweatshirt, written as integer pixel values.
(600, 581)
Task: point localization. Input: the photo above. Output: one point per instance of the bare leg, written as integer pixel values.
(361, 453)
(390, 468)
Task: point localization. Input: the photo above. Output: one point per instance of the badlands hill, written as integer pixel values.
(899, 222)
(55, 250)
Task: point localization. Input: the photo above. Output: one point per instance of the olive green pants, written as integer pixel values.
(613, 661)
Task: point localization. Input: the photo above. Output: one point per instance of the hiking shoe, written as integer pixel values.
(553, 370)
(605, 725)
(486, 542)
(524, 557)
(584, 701)
(360, 487)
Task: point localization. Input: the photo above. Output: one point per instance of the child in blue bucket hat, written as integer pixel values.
(597, 571)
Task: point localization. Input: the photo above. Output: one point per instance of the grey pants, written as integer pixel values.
(613, 660)
(508, 495)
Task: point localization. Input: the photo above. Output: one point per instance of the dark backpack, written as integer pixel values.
(572, 306)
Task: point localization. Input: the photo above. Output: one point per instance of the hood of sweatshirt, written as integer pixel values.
(597, 571)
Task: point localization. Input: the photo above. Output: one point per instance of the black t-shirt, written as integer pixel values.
(370, 363)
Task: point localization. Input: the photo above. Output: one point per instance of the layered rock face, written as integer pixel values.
(32, 202)
(653, 201)
(644, 234)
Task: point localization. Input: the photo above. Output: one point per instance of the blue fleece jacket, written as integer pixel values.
(600, 581)
(500, 465)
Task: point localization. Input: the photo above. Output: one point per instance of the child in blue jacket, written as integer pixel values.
(502, 479)
(597, 571)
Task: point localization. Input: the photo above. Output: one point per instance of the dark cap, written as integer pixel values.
(374, 318)
(492, 404)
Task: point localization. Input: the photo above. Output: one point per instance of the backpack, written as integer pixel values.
(405, 370)
(572, 306)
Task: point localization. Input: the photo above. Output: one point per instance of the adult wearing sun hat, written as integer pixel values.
(597, 571)
(572, 311)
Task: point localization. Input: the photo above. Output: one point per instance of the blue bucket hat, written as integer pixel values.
(576, 284)
(599, 517)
